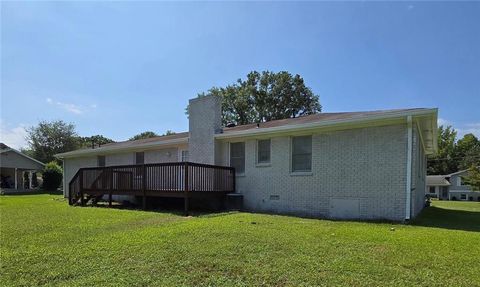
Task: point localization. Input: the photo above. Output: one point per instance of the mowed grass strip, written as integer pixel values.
(46, 242)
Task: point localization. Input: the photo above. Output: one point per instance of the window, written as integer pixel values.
(139, 158)
(263, 151)
(237, 157)
(184, 155)
(302, 154)
(101, 160)
(432, 189)
(463, 196)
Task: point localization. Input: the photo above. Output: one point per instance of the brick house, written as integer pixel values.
(351, 165)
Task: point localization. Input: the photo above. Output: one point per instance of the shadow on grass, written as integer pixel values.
(30, 192)
(173, 209)
(448, 219)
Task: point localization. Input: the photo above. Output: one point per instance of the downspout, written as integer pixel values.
(408, 187)
(64, 179)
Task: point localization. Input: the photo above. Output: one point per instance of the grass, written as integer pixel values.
(46, 242)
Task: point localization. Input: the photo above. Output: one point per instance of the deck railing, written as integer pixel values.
(177, 179)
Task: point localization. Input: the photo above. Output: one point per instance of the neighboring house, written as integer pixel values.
(451, 187)
(362, 165)
(14, 166)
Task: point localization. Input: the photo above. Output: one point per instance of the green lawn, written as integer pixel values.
(46, 242)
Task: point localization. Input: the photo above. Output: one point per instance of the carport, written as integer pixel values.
(14, 165)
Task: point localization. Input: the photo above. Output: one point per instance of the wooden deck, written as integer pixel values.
(178, 179)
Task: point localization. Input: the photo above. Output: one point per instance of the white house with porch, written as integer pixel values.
(15, 166)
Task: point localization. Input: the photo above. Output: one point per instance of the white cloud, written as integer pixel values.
(71, 108)
(14, 137)
(443, 122)
(472, 128)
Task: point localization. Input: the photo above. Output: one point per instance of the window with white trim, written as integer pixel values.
(302, 154)
(237, 157)
(184, 155)
(463, 196)
(263, 151)
(460, 181)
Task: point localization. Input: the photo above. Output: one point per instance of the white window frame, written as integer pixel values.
(257, 150)
(459, 180)
(229, 156)
(300, 173)
(181, 155)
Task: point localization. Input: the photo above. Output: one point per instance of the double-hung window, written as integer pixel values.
(263, 151)
(302, 154)
(237, 157)
(184, 155)
(139, 158)
(101, 161)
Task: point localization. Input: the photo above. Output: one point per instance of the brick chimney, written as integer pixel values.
(205, 119)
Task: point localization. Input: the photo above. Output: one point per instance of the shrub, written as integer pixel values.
(52, 176)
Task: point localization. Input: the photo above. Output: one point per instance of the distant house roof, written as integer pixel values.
(160, 141)
(427, 126)
(19, 160)
(437, 180)
(458, 172)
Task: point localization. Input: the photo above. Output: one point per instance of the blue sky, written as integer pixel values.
(118, 68)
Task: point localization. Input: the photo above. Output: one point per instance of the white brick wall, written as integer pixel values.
(367, 165)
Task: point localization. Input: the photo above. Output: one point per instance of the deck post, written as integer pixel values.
(185, 188)
(144, 184)
(82, 199)
(111, 188)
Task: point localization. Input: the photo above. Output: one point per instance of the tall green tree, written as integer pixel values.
(169, 133)
(473, 178)
(467, 150)
(49, 138)
(264, 97)
(444, 162)
(95, 140)
(144, 135)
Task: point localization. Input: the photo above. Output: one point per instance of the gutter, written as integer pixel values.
(408, 186)
(331, 123)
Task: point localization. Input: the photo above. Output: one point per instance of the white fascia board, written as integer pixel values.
(325, 124)
(113, 149)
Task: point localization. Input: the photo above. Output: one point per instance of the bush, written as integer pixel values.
(52, 176)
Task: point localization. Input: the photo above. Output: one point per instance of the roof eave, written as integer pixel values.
(86, 152)
(325, 124)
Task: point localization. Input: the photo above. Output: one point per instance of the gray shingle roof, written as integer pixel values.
(437, 180)
(318, 118)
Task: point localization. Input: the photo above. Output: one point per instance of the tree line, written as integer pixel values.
(52, 137)
(454, 154)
